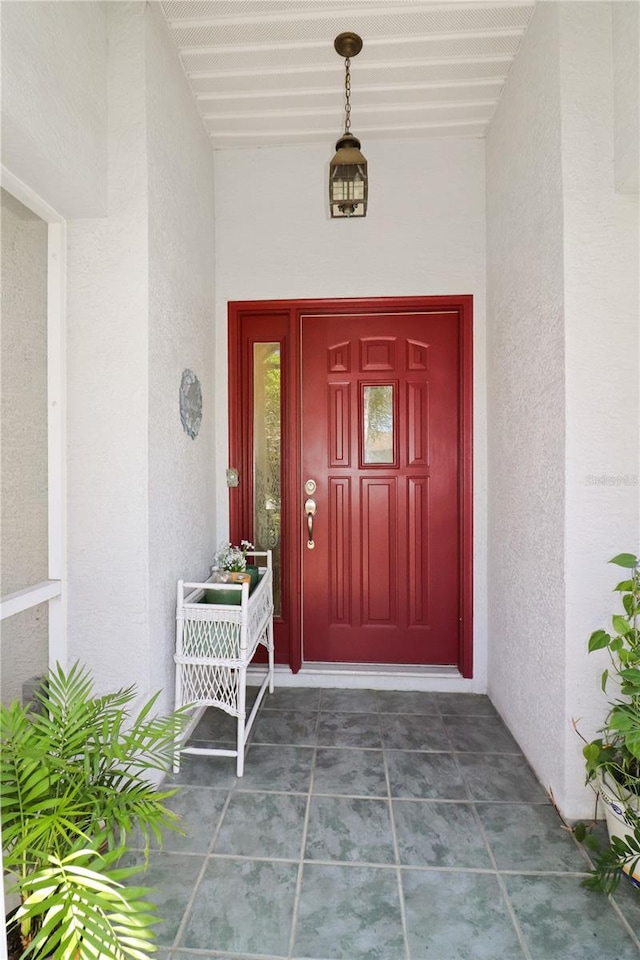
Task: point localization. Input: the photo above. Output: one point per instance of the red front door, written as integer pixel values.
(380, 442)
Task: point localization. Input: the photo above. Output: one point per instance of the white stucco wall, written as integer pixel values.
(626, 93)
(181, 316)
(424, 234)
(54, 104)
(143, 510)
(525, 383)
(602, 373)
(23, 419)
(562, 381)
(108, 384)
(139, 310)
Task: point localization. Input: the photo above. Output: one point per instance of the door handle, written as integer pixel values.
(310, 509)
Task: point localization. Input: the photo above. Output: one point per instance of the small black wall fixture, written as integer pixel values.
(348, 168)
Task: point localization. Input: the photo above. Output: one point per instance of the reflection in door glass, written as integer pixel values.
(377, 432)
(267, 457)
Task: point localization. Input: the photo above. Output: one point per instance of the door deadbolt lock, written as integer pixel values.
(310, 488)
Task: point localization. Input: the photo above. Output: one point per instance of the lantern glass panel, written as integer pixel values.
(347, 188)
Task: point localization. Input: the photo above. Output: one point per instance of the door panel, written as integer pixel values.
(380, 437)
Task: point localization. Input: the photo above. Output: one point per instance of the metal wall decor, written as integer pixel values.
(190, 403)
(348, 168)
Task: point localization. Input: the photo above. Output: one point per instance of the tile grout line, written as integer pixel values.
(337, 746)
(492, 859)
(585, 854)
(443, 717)
(503, 888)
(510, 910)
(625, 923)
(230, 791)
(192, 899)
(410, 867)
(463, 779)
(303, 842)
(179, 952)
(357, 796)
(396, 851)
(456, 762)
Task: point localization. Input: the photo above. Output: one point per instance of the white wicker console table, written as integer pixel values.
(215, 643)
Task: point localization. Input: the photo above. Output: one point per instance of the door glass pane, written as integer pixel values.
(377, 432)
(267, 457)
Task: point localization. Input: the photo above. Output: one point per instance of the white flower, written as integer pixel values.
(232, 558)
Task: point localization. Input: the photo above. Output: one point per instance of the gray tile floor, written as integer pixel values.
(385, 826)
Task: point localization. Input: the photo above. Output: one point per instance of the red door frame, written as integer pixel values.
(284, 317)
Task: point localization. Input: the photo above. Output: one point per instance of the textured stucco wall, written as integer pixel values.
(107, 368)
(424, 234)
(181, 316)
(525, 364)
(54, 106)
(601, 356)
(626, 93)
(23, 422)
(562, 318)
(141, 309)
(137, 186)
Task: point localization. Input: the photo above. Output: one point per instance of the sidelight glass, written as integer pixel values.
(378, 424)
(267, 457)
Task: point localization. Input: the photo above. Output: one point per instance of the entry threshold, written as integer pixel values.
(372, 676)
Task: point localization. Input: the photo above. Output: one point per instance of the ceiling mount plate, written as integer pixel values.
(348, 44)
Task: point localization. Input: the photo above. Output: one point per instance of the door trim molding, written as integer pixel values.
(240, 500)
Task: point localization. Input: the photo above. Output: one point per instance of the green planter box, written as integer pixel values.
(232, 597)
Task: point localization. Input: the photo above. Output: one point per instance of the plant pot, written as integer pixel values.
(233, 598)
(621, 810)
(14, 944)
(239, 577)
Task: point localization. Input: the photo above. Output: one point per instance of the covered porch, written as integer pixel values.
(145, 234)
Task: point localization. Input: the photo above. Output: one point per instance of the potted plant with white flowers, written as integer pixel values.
(232, 560)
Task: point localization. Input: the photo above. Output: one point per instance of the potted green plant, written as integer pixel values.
(73, 786)
(613, 758)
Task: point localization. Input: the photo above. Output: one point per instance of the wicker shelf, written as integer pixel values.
(215, 643)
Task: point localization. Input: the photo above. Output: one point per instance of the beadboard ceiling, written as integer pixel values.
(264, 72)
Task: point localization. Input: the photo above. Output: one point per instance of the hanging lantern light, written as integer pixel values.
(348, 168)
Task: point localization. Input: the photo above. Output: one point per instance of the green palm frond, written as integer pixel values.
(85, 911)
(73, 781)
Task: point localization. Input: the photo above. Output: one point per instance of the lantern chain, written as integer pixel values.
(347, 93)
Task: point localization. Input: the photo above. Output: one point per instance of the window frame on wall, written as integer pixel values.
(53, 589)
